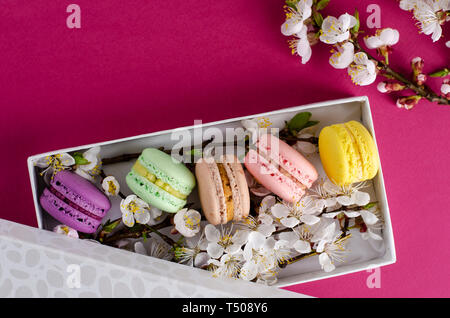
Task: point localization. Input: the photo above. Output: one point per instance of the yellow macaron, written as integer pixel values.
(348, 153)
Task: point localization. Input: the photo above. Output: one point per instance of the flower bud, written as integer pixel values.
(408, 102)
(387, 87)
(445, 88)
(417, 64)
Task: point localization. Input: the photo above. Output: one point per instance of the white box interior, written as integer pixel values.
(362, 254)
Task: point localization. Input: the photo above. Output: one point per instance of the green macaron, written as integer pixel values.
(161, 180)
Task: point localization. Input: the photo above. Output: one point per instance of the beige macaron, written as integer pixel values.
(223, 189)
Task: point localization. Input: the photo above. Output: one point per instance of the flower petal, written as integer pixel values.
(128, 218)
(249, 271)
(302, 246)
(352, 214)
(360, 198)
(344, 200)
(214, 250)
(309, 219)
(142, 216)
(212, 234)
(266, 229)
(66, 160)
(368, 217)
(139, 248)
(279, 210)
(201, 259)
(290, 222)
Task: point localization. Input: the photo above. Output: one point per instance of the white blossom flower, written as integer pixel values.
(291, 214)
(300, 45)
(337, 30)
(93, 167)
(350, 194)
(264, 214)
(111, 186)
(332, 252)
(447, 44)
(343, 57)
(187, 222)
(251, 223)
(323, 232)
(256, 127)
(374, 223)
(65, 230)
(228, 266)
(431, 14)
(362, 70)
(329, 195)
(54, 164)
(193, 254)
(382, 38)
(156, 248)
(295, 18)
(134, 209)
(262, 256)
(299, 238)
(224, 240)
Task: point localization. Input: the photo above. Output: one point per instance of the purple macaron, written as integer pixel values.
(75, 202)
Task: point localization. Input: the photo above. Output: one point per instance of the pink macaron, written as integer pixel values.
(75, 202)
(280, 168)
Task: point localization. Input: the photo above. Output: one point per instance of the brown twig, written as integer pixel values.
(125, 233)
(421, 90)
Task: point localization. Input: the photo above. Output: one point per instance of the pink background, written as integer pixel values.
(151, 65)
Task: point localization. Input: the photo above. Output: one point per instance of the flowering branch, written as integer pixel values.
(306, 25)
(297, 258)
(138, 231)
(386, 71)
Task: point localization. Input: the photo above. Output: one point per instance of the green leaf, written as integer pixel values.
(369, 205)
(109, 226)
(298, 122)
(441, 73)
(292, 4)
(79, 159)
(144, 236)
(318, 18)
(322, 4)
(355, 29)
(310, 123)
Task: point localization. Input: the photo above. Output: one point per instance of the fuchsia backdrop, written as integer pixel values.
(140, 66)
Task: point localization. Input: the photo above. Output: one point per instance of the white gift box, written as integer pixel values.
(362, 255)
(39, 263)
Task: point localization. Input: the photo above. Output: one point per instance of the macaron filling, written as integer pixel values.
(72, 204)
(139, 169)
(236, 193)
(227, 191)
(167, 173)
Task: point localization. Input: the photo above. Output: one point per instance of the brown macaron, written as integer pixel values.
(223, 189)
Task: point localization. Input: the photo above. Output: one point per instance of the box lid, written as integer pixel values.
(40, 263)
